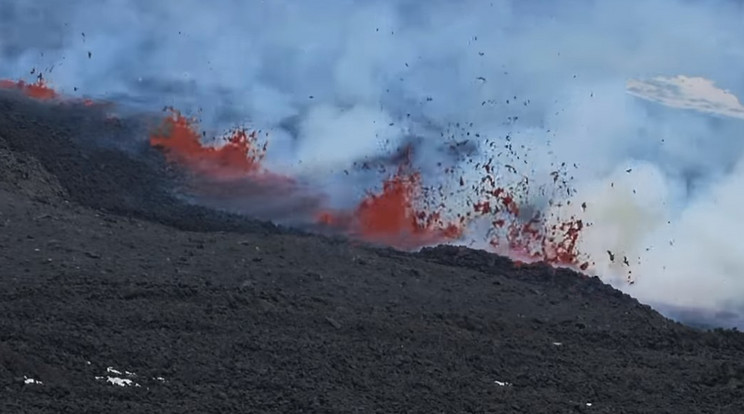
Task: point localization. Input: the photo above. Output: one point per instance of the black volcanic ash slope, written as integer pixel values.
(254, 320)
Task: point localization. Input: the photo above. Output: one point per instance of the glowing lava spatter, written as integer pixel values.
(41, 90)
(397, 215)
(391, 217)
(239, 156)
(532, 238)
(37, 90)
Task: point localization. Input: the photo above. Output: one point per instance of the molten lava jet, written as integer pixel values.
(388, 218)
(529, 239)
(391, 218)
(178, 138)
(37, 90)
(232, 174)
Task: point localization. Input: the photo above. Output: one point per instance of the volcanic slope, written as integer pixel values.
(115, 296)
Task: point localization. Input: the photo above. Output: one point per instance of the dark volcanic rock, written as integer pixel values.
(105, 163)
(107, 278)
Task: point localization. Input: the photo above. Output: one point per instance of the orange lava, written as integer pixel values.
(390, 217)
(179, 139)
(529, 239)
(37, 90)
(535, 241)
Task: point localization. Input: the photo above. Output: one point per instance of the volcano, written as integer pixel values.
(119, 293)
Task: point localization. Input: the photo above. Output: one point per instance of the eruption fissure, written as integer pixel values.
(239, 155)
(400, 214)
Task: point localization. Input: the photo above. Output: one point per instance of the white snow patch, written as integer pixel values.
(111, 370)
(558, 343)
(27, 380)
(502, 384)
(122, 382)
(117, 380)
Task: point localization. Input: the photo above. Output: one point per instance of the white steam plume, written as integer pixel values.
(335, 80)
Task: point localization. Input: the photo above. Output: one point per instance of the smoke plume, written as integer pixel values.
(622, 114)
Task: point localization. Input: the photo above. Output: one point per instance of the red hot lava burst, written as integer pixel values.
(532, 238)
(388, 217)
(37, 90)
(391, 216)
(178, 138)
